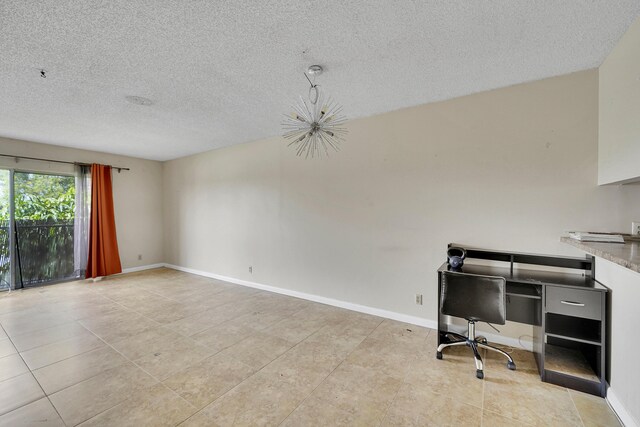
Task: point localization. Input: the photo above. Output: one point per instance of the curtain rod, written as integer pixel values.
(118, 168)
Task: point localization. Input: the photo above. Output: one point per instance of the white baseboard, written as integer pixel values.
(414, 320)
(141, 268)
(619, 409)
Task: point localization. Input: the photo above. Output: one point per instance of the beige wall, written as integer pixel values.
(137, 194)
(508, 169)
(619, 127)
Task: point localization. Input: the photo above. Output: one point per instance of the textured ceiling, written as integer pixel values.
(224, 72)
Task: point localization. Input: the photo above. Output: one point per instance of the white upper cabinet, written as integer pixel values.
(619, 115)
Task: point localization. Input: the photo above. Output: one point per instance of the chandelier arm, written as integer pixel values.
(305, 112)
(332, 144)
(305, 144)
(322, 140)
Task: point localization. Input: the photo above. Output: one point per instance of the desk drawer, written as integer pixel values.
(574, 302)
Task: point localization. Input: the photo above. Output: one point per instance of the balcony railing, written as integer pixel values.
(5, 259)
(45, 252)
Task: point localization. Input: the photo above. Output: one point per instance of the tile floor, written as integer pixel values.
(164, 348)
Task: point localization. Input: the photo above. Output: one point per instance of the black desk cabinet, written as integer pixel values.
(565, 304)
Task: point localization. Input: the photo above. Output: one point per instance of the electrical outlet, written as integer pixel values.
(419, 299)
(139, 257)
(635, 228)
(251, 269)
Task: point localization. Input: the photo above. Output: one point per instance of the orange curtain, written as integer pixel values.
(104, 258)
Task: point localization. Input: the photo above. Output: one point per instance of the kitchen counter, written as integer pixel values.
(627, 255)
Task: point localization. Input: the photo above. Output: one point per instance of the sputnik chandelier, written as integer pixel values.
(316, 126)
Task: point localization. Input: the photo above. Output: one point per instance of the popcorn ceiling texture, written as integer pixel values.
(224, 72)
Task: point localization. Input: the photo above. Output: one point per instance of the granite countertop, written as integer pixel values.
(626, 255)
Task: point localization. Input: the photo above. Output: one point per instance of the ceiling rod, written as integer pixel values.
(118, 168)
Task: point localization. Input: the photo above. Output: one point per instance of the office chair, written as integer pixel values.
(478, 299)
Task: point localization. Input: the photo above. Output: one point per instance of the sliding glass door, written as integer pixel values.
(37, 229)
(5, 230)
(44, 221)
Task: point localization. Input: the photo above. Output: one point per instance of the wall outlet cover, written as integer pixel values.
(635, 228)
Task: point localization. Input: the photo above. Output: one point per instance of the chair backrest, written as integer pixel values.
(474, 297)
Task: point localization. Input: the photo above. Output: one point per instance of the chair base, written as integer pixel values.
(475, 342)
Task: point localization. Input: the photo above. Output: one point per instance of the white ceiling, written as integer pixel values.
(224, 72)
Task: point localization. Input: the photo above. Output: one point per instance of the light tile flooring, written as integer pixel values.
(163, 348)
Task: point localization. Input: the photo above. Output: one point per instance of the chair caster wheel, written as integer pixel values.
(479, 374)
(439, 355)
(511, 365)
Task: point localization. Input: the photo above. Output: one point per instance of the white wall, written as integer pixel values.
(137, 194)
(619, 127)
(625, 375)
(508, 169)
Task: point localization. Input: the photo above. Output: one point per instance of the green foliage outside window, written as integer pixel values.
(44, 214)
(47, 198)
